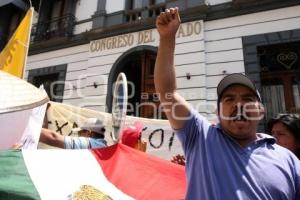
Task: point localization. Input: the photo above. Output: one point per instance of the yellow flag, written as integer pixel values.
(13, 56)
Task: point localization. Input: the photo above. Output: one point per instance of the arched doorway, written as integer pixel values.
(138, 65)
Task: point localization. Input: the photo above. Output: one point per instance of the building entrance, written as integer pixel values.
(138, 67)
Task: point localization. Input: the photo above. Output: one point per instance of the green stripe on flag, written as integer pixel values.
(15, 182)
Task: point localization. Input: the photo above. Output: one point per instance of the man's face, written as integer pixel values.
(240, 113)
(84, 133)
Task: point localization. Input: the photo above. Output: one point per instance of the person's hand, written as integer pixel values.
(178, 159)
(141, 145)
(168, 22)
(17, 146)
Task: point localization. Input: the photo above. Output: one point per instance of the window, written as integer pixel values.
(296, 94)
(48, 81)
(280, 78)
(56, 13)
(52, 78)
(273, 96)
(56, 19)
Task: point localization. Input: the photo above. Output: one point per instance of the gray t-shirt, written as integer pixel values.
(218, 168)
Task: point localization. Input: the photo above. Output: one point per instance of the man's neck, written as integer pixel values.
(243, 142)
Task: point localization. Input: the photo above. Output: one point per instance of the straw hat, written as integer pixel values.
(17, 94)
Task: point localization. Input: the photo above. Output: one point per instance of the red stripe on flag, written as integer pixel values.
(141, 175)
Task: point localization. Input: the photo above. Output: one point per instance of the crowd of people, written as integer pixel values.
(91, 134)
(229, 160)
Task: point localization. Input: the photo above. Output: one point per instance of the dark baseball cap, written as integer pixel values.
(236, 79)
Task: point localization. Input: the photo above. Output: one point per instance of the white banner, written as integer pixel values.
(160, 138)
(31, 135)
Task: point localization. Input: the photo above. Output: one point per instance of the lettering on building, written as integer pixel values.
(142, 37)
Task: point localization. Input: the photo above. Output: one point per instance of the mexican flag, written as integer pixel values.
(116, 172)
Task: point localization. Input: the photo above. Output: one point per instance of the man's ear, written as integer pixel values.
(90, 134)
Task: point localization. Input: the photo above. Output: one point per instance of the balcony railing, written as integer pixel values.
(144, 13)
(54, 28)
(156, 9)
(133, 15)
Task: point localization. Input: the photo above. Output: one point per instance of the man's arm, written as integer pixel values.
(51, 138)
(175, 107)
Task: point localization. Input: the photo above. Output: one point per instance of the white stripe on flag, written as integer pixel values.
(57, 174)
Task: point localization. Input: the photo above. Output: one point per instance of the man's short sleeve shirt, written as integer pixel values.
(83, 143)
(219, 168)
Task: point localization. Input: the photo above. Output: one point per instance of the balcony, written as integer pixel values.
(133, 15)
(151, 11)
(155, 10)
(60, 27)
